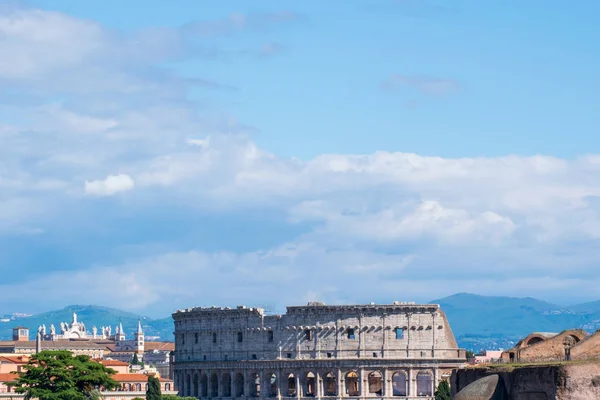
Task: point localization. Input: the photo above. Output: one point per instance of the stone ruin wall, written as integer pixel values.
(570, 381)
(587, 349)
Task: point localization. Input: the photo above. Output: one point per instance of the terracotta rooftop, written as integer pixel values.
(8, 377)
(113, 363)
(15, 359)
(162, 346)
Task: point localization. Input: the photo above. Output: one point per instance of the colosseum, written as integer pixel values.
(399, 350)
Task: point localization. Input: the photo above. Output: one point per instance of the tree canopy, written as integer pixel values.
(153, 391)
(443, 391)
(58, 375)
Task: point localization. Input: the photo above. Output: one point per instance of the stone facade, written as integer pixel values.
(362, 351)
(76, 331)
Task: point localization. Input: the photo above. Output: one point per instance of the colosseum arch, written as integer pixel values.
(291, 385)
(188, 384)
(226, 384)
(375, 383)
(310, 385)
(273, 389)
(424, 384)
(203, 385)
(214, 385)
(239, 385)
(330, 384)
(399, 384)
(352, 384)
(254, 385)
(195, 384)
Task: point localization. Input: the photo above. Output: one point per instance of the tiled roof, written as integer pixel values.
(8, 377)
(162, 346)
(15, 359)
(113, 363)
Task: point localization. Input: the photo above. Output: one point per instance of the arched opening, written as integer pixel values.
(399, 384)
(195, 385)
(239, 385)
(291, 385)
(375, 383)
(167, 387)
(188, 385)
(226, 384)
(575, 338)
(272, 382)
(424, 384)
(330, 384)
(255, 385)
(214, 385)
(352, 384)
(203, 385)
(534, 340)
(309, 387)
(138, 387)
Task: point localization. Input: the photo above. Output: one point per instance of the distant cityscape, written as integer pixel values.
(392, 350)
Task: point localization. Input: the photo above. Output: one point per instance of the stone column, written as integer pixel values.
(298, 385)
(248, 382)
(433, 335)
(409, 382)
(318, 385)
(436, 378)
(337, 339)
(262, 384)
(386, 383)
(361, 381)
(232, 376)
(280, 384)
(383, 337)
(339, 383)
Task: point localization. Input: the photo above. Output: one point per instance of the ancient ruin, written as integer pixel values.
(380, 351)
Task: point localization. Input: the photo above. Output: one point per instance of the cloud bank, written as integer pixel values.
(104, 154)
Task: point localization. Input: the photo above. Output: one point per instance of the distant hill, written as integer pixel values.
(91, 316)
(478, 322)
(489, 321)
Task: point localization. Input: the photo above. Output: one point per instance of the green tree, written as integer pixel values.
(443, 391)
(470, 354)
(153, 391)
(135, 360)
(58, 375)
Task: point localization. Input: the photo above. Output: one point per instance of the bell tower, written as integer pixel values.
(139, 339)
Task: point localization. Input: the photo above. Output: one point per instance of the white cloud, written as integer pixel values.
(373, 225)
(113, 184)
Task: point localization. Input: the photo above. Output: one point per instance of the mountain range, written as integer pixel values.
(478, 322)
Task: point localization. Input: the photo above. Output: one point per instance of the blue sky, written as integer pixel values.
(158, 155)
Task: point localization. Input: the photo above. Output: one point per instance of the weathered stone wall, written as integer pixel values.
(555, 348)
(211, 334)
(569, 381)
(314, 351)
(587, 349)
